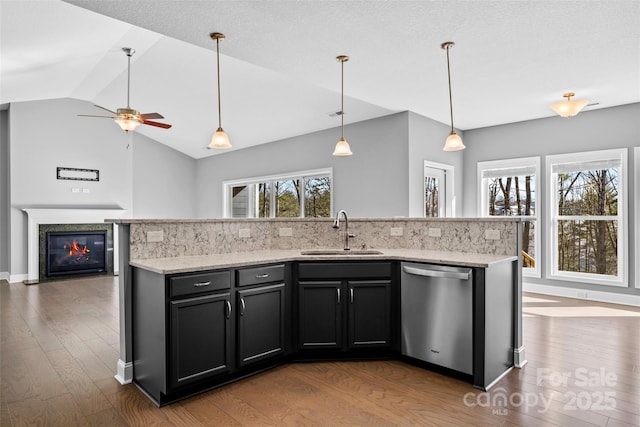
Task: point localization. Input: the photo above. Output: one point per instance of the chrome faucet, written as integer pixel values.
(336, 225)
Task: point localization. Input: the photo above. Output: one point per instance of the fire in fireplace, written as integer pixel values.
(76, 252)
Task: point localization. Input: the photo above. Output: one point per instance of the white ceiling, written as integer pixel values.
(512, 59)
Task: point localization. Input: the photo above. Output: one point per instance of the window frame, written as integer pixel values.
(483, 199)
(621, 279)
(253, 181)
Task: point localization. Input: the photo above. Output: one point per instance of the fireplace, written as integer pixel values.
(76, 252)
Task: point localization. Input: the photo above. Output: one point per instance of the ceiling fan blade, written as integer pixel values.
(156, 124)
(146, 116)
(105, 109)
(91, 115)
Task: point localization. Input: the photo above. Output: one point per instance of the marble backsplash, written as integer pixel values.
(203, 237)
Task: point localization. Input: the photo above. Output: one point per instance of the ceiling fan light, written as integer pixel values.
(453, 143)
(342, 148)
(127, 124)
(569, 108)
(220, 140)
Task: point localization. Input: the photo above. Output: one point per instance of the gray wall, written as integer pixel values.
(47, 134)
(426, 139)
(371, 183)
(606, 128)
(4, 192)
(164, 181)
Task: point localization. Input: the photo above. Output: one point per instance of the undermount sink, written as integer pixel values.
(339, 252)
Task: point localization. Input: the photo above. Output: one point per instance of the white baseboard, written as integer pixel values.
(16, 278)
(125, 372)
(559, 291)
(4, 275)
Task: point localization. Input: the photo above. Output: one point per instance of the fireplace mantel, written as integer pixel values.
(36, 216)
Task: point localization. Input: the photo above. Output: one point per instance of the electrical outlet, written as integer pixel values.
(86, 190)
(285, 232)
(244, 233)
(490, 234)
(75, 190)
(435, 232)
(155, 236)
(396, 231)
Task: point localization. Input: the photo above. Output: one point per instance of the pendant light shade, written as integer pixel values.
(219, 140)
(342, 147)
(569, 108)
(453, 142)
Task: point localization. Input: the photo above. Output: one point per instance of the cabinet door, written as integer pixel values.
(261, 314)
(369, 313)
(200, 341)
(320, 314)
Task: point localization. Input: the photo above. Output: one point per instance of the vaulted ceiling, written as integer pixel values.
(280, 79)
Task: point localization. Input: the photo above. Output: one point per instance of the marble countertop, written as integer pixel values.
(240, 259)
(276, 220)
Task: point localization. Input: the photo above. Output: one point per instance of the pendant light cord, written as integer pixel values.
(218, 63)
(450, 98)
(342, 98)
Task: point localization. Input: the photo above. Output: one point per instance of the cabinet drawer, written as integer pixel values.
(198, 283)
(258, 275)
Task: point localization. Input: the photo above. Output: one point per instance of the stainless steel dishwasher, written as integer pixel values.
(437, 322)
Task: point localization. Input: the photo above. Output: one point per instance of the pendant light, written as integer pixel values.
(220, 138)
(453, 142)
(569, 108)
(342, 147)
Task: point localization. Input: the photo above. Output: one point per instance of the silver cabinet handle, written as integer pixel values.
(338, 290)
(262, 276)
(197, 285)
(228, 309)
(351, 295)
(242, 306)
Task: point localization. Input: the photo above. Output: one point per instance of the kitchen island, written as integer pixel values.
(373, 277)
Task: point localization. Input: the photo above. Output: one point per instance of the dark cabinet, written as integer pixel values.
(369, 313)
(200, 338)
(261, 323)
(194, 331)
(355, 310)
(320, 314)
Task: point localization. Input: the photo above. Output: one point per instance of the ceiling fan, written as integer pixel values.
(128, 118)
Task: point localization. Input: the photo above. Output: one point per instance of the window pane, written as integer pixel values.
(431, 196)
(288, 198)
(588, 246)
(588, 192)
(512, 195)
(317, 197)
(264, 200)
(240, 201)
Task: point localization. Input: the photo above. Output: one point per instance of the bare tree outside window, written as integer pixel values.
(587, 221)
(317, 197)
(431, 196)
(515, 196)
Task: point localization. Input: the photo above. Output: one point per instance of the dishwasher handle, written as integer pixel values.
(461, 275)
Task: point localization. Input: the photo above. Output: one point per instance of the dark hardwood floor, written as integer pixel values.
(59, 347)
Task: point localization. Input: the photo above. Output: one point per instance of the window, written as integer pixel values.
(509, 188)
(587, 193)
(292, 195)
